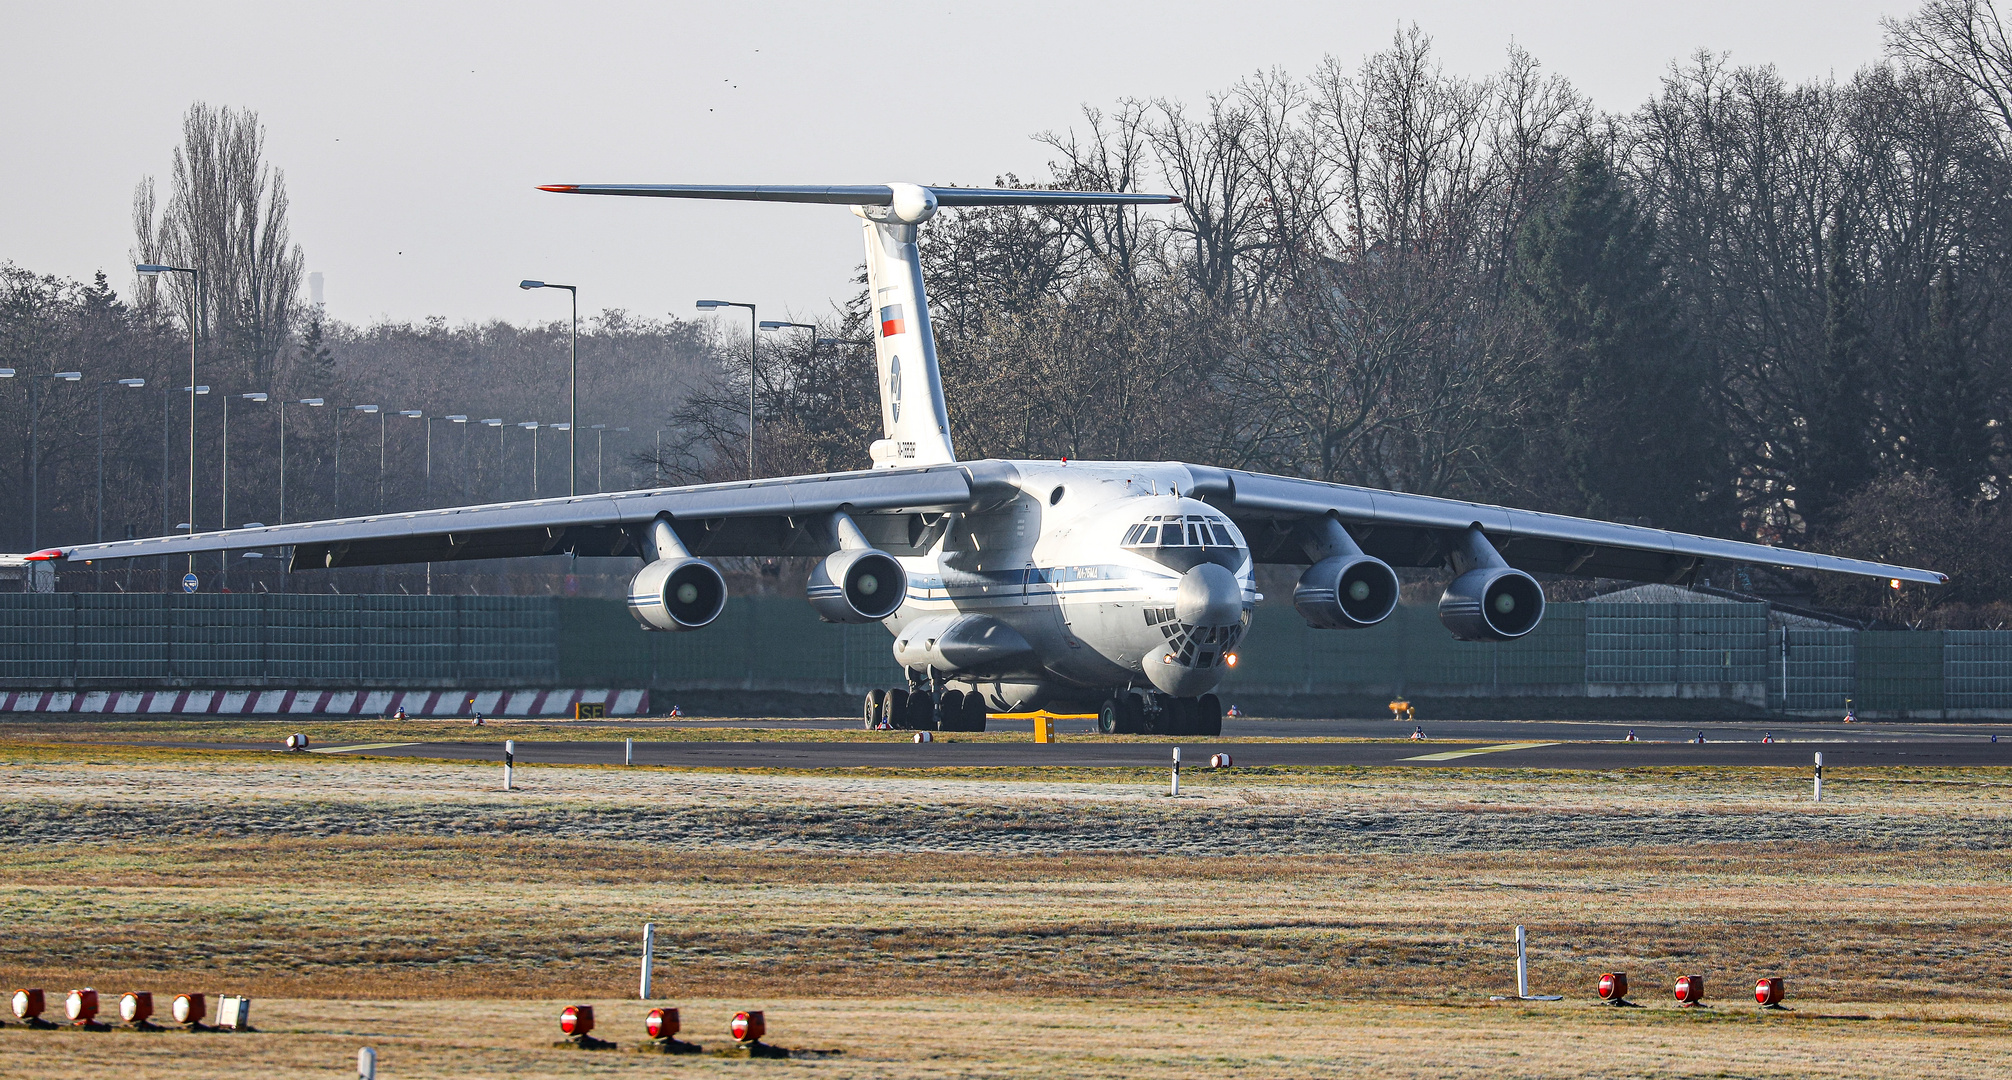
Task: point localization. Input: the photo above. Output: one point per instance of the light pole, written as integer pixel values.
(35, 453)
(572, 383)
(600, 475)
(708, 305)
(309, 401)
(153, 270)
(417, 415)
(101, 446)
(226, 508)
(532, 426)
(167, 401)
(497, 423)
(380, 456)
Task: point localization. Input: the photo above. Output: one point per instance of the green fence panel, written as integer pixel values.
(1900, 671)
(1819, 674)
(1977, 669)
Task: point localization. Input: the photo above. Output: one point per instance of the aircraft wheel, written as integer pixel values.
(876, 708)
(974, 711)
(1179, 716)
(1209, 711)
(1110, 718)
(921, 711)
(896, 708)
(952, 712)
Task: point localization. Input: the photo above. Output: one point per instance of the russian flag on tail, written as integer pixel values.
(891, 322)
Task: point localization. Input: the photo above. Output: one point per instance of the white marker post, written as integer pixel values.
(628, 751)
(649, 954)
(1177, 773)
(1819, 776)
(1522, 963)
(366, 1064)
(509, 760)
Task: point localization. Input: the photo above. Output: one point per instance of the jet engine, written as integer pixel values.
(857, 585)
(1490, 600)
(1344, 588)
(679, 593)
(1344, 592)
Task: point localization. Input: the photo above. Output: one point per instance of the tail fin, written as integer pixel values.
(912, 412)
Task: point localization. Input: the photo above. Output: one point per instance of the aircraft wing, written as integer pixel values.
(895, 508)
(1418, 530)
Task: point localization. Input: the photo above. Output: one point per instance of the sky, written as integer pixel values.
(413, 135)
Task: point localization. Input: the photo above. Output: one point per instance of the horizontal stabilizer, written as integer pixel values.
(865, 194)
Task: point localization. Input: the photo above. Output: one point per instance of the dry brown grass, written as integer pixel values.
(1355, 921)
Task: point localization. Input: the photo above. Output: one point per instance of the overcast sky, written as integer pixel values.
(412, 135)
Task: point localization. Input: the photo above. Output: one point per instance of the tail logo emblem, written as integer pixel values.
(891, 322)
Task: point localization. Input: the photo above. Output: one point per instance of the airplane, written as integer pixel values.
(1119, 587)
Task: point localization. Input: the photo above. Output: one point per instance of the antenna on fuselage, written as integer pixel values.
(914, 419)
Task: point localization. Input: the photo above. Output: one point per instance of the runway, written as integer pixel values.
(1490, 744)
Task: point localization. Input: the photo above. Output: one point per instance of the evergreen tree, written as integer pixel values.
(1946, 396)
(1627, 425)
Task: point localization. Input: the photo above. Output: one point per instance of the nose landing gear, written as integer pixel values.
(1139, 712)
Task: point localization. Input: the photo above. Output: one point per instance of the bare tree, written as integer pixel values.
(226, 217)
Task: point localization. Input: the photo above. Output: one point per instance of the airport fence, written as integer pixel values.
(1678, 650)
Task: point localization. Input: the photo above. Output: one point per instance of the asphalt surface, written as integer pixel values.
(1492, 744)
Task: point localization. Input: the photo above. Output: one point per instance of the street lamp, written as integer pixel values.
(136, 383)
(572, 382)
(462, 420)
(600, 477)
(708, 305)
(225, 510)
(153, 270)
(497, 423)
(167, 402)
(314, 402)
(35, 452)
(380, 452)
(532, 426)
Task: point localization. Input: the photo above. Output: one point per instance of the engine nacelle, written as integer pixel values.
(679, 593)
(1344, 592)
(857, 585)
(1492, 603)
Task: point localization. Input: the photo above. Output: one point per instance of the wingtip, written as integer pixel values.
(45, 555)
(559, 187)
(1175, 200)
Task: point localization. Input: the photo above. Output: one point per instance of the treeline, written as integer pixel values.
(1743, 308)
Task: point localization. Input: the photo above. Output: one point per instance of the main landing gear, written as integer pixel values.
(1141, 712)
(921, 710)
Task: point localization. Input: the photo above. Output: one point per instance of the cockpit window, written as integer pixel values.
(1182, 541)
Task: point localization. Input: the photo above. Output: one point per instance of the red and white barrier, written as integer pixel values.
(417, 703)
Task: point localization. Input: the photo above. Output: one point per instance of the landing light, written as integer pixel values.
(1893, 584)
(1230, 659)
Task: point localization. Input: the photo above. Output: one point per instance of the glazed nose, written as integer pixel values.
(1209, 596)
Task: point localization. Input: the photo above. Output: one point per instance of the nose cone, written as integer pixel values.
(1209, 596)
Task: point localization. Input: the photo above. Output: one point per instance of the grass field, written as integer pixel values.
(1275, 922)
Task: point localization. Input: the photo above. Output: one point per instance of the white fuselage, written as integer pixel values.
(1097, 614)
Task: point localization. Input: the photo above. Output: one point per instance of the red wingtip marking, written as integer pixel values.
(1174, 200)
(45, 555)
(558, 187)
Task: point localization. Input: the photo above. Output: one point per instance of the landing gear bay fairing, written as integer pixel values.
(1122, 588)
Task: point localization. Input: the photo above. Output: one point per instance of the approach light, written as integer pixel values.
(136, 1007)
(1690, 989)
(28, 1004)
(661, 1023)
(81, 1006)
(189, 1008)
(748, 1027)
(576, 1020)
(1769, 991)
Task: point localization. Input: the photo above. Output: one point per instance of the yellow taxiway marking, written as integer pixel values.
(1451, 754)
(364, 746)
